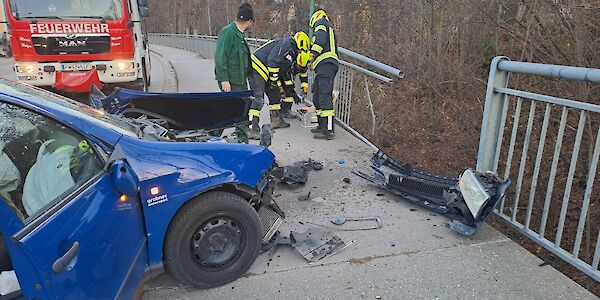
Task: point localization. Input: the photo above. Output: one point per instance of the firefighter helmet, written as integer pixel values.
(302, 41)
(318, 15)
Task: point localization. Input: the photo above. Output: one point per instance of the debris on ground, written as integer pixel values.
(341, 161)
(347, 180)
(298, 172)
(316, 244)
(468, 201)
(313, 244)
(304, 197)
(266, 135)
(343, 220)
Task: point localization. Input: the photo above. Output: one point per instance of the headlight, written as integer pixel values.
(125, 66)
(25, 69)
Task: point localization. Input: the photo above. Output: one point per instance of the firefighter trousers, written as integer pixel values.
(260, 87)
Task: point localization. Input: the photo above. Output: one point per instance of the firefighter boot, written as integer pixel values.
(286, 111)
(328, 132)
(277, 120)
(319, 127)
(254, 132)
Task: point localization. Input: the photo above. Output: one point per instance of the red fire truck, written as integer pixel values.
(73, 44)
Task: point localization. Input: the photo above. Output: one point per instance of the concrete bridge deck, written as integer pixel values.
(414, 256)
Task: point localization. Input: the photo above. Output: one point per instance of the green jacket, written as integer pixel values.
(232, 57)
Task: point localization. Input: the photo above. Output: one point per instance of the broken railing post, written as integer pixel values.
(373, 120)
(494, 117)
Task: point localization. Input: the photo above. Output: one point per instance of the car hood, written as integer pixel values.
(196, 161)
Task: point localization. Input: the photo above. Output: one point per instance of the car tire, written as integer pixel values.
(212, 240)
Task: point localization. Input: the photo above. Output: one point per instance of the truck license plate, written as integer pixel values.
(76, 67)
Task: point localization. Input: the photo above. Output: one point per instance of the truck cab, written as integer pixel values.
(89, 209)
(73, 44)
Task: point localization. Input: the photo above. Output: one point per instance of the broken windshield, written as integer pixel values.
(67, 9)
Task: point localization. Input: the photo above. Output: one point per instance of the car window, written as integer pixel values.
(41, 161)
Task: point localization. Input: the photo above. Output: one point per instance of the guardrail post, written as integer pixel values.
(494, 113)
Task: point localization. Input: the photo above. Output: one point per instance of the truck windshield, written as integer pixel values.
(67, 9)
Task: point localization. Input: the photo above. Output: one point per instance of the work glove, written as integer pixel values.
(304, 87)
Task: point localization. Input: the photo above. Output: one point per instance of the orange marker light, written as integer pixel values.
(123, 198)
(154, 191)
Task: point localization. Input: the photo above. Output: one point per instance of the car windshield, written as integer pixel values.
(67, 9)
(72, 107)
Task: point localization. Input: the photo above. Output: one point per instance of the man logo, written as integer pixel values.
(71, 44)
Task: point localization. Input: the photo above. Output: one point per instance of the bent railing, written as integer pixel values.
(554, 163)
(346, 82)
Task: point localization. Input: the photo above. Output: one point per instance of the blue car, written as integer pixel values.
(91, 204)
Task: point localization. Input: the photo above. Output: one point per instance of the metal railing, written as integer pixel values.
(541, 204)
(346, 81)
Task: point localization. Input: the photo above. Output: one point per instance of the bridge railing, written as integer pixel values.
(352, 79)
(554, 190)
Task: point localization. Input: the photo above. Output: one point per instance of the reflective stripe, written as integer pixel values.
(275, 107)
(328, 113)
(259, 67)
(321, 27)
(330, 123)
(303, 75)
(288, 100)
(317, 48)
(318, 112)
(332, 53)
(253, 113)
(289, 82)
(259, 71)
(273, 70)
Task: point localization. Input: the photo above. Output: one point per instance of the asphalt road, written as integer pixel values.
(414, 256)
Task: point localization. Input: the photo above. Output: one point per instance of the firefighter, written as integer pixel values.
(289, 95)
(325, 64)
(268, 61)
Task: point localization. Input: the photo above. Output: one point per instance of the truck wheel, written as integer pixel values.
(213, 240)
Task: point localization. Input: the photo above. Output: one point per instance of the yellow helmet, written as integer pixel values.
(302, 41)
(303, 58)
(318, 15)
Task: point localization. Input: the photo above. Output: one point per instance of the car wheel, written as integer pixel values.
(213, 240)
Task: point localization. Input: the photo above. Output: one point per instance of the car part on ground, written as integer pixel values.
(340, 221)
(298, 172)
(316, 244)
(180, 117)
(468, 201)
(343, 220)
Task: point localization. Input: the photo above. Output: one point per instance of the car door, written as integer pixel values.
(72, 235)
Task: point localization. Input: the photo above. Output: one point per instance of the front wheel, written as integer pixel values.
(213, 240)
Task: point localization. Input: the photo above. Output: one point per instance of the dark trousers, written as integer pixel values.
(323, 86)
(260, 87)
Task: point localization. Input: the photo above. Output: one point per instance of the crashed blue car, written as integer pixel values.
(91, 204)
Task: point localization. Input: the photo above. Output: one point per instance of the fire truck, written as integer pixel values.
(71, 45)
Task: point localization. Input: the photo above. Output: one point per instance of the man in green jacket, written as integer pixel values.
(232, 57)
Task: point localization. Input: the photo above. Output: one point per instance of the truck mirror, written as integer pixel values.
(142, 2)
(144, 11)
(124, 179)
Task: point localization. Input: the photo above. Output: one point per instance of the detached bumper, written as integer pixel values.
(468, 201)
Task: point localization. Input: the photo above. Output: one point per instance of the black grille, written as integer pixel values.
(416, 186)
(71, 45)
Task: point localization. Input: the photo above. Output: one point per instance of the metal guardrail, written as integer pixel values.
(520, 214)
(345, 82)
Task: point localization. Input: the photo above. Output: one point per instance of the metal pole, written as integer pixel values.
(209, 22)
(312, 11)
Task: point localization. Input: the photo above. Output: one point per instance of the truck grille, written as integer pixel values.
(62, 45)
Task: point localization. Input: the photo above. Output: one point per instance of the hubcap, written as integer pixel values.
(217, 243)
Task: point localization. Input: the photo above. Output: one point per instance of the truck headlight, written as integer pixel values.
(25, 69)
(125, 66)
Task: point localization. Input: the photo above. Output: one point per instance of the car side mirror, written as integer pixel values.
(144, 11)
(124, 179)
